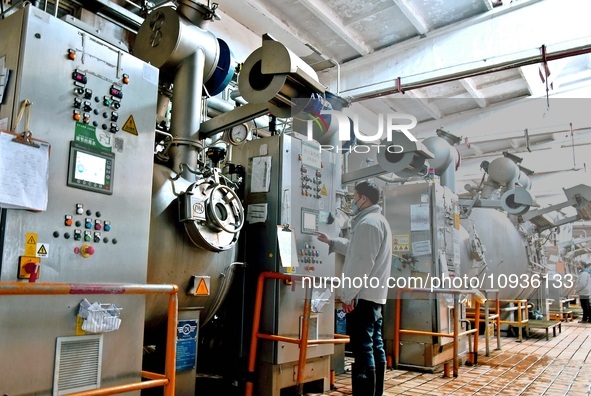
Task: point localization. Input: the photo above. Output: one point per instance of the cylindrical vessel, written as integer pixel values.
(507, 264)
(173, 258)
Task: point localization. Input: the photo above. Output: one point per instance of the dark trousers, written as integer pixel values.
(364, 324)
(586, 308)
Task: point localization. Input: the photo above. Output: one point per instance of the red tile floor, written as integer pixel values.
(560, 366)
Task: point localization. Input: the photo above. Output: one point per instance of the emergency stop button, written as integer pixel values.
(87, 251)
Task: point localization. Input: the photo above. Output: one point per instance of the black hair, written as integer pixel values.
(370, 190)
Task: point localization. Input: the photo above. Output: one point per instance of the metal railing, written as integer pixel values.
(167, 380)
(303, 341)
(488, 317)
(456, 331)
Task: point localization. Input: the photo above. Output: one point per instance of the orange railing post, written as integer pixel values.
(303, 342)
(155, 380)
(456, 332)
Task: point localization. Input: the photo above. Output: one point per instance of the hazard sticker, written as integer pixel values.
(42, 250)
(201, 286)
(30, 244)
(130, 126)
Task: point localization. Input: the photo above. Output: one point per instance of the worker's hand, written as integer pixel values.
(349, 307)
(322, 237)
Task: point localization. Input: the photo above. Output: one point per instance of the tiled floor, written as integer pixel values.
(560, 366)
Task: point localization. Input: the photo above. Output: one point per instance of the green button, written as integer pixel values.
(87, 238)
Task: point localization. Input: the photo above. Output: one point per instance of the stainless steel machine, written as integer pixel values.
(95, 105)
(290, 182)
(426, 242)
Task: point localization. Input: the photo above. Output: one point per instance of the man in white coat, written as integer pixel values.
(368, 260)
(583, 289)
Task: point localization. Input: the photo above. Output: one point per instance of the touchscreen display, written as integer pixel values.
(90, 168)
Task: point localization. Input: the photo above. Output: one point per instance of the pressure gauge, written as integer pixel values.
(238, 134)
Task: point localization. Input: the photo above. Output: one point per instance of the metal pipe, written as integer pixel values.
(334, 62)
(585, 49)
(113, 390)
(186, 110)
(56, 7)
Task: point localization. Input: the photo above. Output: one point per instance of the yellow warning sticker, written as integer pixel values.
(324, 192)
(202, 288)
(130, 126)
(42, 250)
(30, 244)
(79, 322)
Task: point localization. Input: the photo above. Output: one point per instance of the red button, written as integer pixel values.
(98, 226)
(68, 222)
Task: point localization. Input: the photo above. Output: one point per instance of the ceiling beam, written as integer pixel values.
(468, 47)
(267, 13)
(533, 80)
(413, 15)
(424, 103)
(328, 16)
(470, 87)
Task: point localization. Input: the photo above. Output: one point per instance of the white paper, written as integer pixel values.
(419, 217)
(287, 248)
(23, 174)
(421, 248)
(261, 174)
(319, 299)
(256, 213)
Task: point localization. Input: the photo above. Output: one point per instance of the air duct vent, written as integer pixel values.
(77, 364)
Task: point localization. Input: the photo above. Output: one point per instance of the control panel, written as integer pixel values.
(93, 106)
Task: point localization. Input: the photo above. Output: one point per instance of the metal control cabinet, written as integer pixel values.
(425, 225)
(64, 71)
(301, 193)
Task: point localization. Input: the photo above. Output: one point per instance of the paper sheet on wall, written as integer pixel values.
(261, 174)
(256, 213)
(23, 174)
(419, 217)
(287, 247)
(421, 248)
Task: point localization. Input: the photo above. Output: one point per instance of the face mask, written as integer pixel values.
(355, 208)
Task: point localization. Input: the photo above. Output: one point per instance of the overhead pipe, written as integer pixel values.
(532, 60)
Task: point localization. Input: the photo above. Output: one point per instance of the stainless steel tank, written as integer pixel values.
(507, 266)
(174, 258)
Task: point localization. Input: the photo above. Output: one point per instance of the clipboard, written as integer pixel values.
(288, 252)
(24, 166)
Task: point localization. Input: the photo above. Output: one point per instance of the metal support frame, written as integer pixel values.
(455, 335)
(167, 380)
(303, 342)
(488, 317)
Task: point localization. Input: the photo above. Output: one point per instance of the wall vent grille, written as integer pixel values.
(77, 364)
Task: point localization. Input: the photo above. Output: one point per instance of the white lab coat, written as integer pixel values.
(583, 287)
(368, 255)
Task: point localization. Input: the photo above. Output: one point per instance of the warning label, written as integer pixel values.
(42, 250)
(130, 126)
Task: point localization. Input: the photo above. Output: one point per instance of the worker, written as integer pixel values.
(583, 289)
(363, 292)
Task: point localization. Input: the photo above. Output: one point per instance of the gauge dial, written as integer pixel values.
(238, 134)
